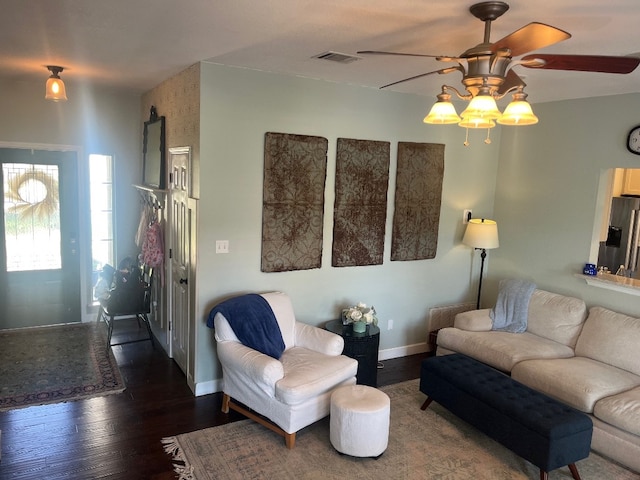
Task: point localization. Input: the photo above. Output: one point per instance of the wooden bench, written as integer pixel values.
(541, 430)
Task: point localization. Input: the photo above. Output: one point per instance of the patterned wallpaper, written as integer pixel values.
(178, 100)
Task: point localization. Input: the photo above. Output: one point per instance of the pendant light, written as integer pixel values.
(54, 89)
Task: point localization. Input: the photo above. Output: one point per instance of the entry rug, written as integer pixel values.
(52, 364)
(423, 445)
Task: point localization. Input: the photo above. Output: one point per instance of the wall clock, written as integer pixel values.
(633, 140)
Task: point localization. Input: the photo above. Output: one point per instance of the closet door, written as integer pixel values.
(182, 226)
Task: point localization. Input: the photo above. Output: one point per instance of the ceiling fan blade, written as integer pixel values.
(584, 63)
(530, 37)
(511, 80)
(441, 72)
(376, 52)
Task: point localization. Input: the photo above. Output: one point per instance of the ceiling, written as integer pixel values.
(137, 44)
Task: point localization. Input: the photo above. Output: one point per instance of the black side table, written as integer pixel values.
(361, 346)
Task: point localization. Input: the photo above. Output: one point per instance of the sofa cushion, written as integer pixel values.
(308, 374)
(579, 382)
(611, 338)
(501, 350)
(474, 320)
(556, 317)
(621, 410)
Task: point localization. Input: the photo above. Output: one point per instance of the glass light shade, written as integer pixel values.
(476, 123)
(55, 89)
(518, 112)
(442, 113)
(482, 106)
(481, 233)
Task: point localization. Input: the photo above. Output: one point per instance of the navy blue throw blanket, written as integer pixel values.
(253, 322)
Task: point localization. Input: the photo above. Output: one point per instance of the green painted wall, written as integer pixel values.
(546, 194)
(238, 107)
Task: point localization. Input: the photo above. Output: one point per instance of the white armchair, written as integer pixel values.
(293, 391)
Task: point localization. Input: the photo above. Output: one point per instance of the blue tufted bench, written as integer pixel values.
(540, 429)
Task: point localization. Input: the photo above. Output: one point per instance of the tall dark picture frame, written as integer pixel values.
(154, 167)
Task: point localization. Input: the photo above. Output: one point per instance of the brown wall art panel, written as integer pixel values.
(417, 201)
(360, 210)
(295, 170)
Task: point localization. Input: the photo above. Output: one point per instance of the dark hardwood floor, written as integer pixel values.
(119, 436)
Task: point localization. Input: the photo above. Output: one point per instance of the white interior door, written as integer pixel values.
(182, 217)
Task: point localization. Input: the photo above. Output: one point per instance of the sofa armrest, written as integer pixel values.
(250, 366)
(318, 339)
(474, 320)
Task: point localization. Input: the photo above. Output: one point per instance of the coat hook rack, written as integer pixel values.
(151, 197)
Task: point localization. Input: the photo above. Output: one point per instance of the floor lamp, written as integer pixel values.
(481, 234)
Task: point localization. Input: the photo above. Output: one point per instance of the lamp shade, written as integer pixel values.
(518, 112)
(481, 233)
(55, 90)
(476, 123)
(483, 107)
(442, 113)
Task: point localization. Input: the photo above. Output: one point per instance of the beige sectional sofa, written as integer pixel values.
(591, 362)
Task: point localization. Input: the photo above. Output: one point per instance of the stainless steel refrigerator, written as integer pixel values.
(621, 246)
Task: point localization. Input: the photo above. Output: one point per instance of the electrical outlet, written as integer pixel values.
(390, 324)
(466, 216)
(222, 246)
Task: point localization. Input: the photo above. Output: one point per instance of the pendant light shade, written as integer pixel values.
(443, 112)
(477, 122)
(519, 111)
(482, 107)
(55, 90)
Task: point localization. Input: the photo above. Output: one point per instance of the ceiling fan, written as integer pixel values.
(492, 60)
(487, 68)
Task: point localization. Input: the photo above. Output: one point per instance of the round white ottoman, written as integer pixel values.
(359, 423)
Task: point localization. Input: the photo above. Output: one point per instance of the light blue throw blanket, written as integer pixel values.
(512, 306)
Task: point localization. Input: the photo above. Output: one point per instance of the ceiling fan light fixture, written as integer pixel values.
(519, 111)
(442, 112)
(55, 89)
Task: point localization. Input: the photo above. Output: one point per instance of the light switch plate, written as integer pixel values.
(222, 246)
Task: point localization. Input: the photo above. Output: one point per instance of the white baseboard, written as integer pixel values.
(403, 351)
(205, 388)
(213, 386)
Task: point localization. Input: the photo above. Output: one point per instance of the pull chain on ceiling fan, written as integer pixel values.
(487, 71)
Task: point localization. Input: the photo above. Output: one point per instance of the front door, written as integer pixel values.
(39, 257)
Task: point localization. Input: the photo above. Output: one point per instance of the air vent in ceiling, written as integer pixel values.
(337, 57)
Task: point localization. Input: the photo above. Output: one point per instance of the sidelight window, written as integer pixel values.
(102, 229)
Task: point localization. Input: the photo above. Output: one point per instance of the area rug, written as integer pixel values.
(57, 363)
(430, 444)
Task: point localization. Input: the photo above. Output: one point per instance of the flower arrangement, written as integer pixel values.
(359, 313)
